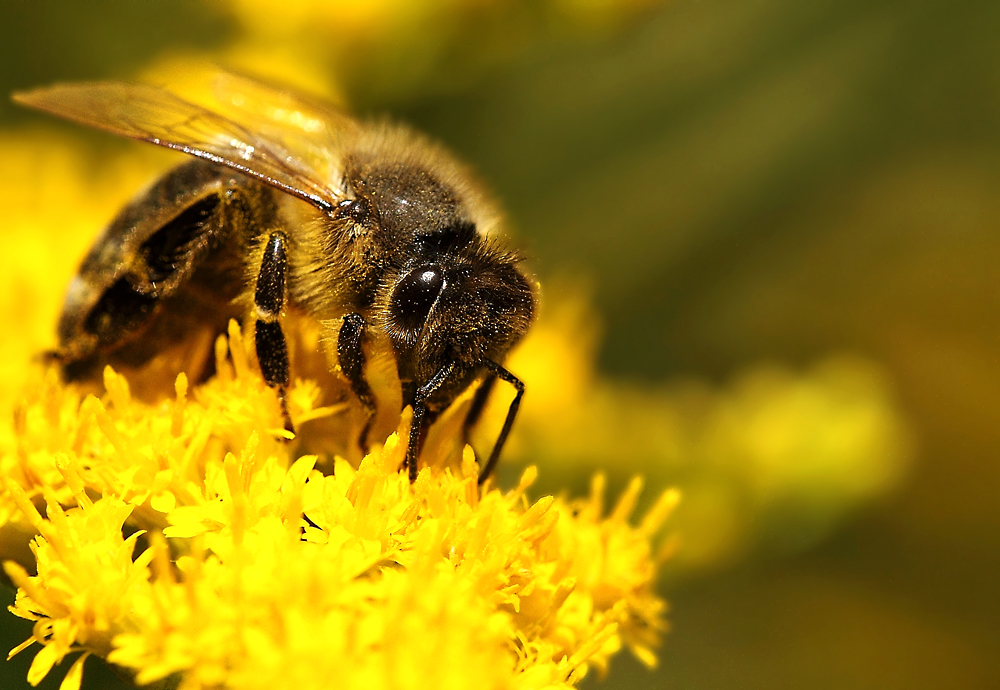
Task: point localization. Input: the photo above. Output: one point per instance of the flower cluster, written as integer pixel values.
(186, 541)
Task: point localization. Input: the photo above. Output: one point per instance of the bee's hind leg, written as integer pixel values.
(269, 302)
(352, 363)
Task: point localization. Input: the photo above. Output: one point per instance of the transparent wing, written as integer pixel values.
(301, 167)
(314, 129)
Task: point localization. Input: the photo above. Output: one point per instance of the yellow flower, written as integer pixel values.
(185, 540)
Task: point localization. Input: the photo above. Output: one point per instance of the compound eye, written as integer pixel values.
(415, 294)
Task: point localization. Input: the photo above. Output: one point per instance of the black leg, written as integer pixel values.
(508, 422)
(352, 364)
(419, 412)
(477, 406)
(269, 301)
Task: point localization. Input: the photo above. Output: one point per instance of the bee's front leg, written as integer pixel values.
(419, 417)
(269, 303)
(352, 363)
(508, 423)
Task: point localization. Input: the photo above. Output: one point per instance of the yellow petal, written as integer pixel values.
(75, 674)
(42, 663)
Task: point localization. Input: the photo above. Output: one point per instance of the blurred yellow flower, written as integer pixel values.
(391, 49)
(774, 454)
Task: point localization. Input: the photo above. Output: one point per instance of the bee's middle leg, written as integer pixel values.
(269, 302)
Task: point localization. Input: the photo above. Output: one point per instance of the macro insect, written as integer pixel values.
(286, 204)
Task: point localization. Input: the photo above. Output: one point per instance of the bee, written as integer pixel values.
(286, 204)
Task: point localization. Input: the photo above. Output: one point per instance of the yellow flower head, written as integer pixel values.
(186, 540)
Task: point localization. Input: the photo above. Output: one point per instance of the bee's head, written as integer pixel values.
(457, 308)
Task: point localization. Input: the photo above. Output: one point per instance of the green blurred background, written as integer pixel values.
(781, 219)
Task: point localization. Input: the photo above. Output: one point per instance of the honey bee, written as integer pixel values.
(285, 205)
